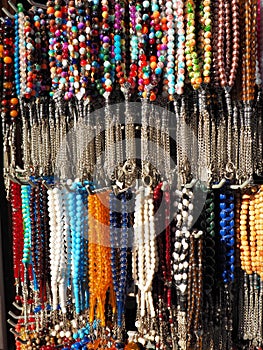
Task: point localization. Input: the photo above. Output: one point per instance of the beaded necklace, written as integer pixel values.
(44, 47)
(66, 255)
(25, 190)
(9, 101)
(192, 60)
(85, 50)
(119, 242)
(72, 47)
(85, 289)
(31, 55)
(56, 234)
(259, 233)
(119, 42)
(41, 43)
(249, 51)
(46, 237)
(184, 221)
(139, 40)
(34, 231)
(209, 225)
(142, 19)
(161, 276)
(17, 230)
(180, 52)
(105, 84)
(57, 20)
(157, 46)
(76, 228)
(52, 41)
(134, 50)
(79, 91)
(165, 289)
(209, 265)
(227, 60)
(100, 277)
(194, 322)
(95, 48)
(22, 49)
(250, 233)
(205, 39)
(17, 56)
(144, 253)
(244, 247)
(227, 234)
(36, 40)
(170, 30)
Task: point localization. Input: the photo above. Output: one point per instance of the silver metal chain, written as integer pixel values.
(144, 136)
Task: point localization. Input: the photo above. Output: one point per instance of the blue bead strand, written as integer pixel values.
(25, 192)
(75, 225)
(84, 247)
(227, 234)
(123, 255)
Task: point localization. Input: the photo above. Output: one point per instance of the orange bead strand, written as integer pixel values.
(245, 256)
(100, 277)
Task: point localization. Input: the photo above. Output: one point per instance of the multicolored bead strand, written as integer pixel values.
(119, 43)
(106, 51)
(181, 46)
(192, 59)
(22, 49)
(9, 101)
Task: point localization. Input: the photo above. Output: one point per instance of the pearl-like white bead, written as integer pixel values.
(176, 256)
(186, 264)
(185, 202)
(175, 267)
(177, 245)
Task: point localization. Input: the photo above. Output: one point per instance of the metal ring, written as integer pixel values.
(129, 167)
(147, 180)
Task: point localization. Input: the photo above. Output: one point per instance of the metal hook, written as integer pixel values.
(37, 4)
(11, 4)
(68, 188)
(220, 184)
(20, 170)
(27, 182)
(11, 323)
(14, 179)
(15, 316)
(20, 324)
(191, 184)
(243, 185)
(31, 183)
(18, 336)
(97, 190)
(18, 307)
(7, 13)
(48, 187)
